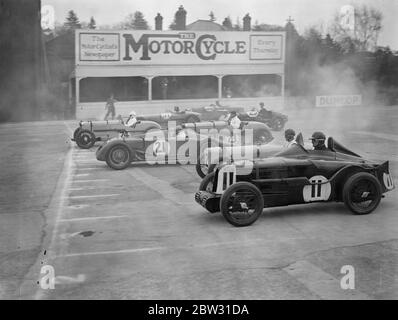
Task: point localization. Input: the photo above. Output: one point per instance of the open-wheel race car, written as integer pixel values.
(183, 145)
(240, 191)
(275, 120)
(89, 132)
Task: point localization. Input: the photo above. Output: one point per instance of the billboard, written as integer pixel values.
(146, 47)
(338, 100)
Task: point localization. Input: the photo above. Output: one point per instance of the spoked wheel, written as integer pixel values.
(278, 124)
(241, 204)
(85, 139)
(75, 133)
(118, 157)
(207, 183)
(362, 193)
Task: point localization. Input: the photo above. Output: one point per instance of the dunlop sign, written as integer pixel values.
(178, 47)
(338, 101)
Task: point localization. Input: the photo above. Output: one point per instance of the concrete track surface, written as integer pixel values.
(138, 233)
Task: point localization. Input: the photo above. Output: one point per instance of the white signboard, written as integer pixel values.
(99, 47)
(338, 101)
(144, 47)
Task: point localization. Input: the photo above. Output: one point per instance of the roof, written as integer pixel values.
(205, 25)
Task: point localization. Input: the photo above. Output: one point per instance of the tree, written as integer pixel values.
(92, 24)
(362, 27)
(135, 21)
(227, 23)
(72, 21)
(212, 17)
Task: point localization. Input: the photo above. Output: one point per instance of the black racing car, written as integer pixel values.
(294, 176)
(275, 120)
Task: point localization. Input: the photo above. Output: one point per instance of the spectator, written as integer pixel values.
(110, 107)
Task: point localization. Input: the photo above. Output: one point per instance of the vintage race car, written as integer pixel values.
(275, 120)
(182, 145)
(208, 113)
(89, 132)
(295, 176)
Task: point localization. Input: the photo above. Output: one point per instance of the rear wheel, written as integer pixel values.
(241, 204)
(85, 139)
(362, 193)
(118, 157)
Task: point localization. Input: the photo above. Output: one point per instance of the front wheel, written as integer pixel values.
(241, 204)
(118, 157)
(85, 139)
(362, 193)
(75, 133)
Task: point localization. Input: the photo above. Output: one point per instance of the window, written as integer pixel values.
(123, 88)
(184, 87)
(249, 86)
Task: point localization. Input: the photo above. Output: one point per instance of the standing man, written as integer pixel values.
(110, 107)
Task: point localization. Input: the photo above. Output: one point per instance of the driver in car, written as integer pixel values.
(318, 140)
(234, 121)
(289, 137)
(264, 112)
(132, 120)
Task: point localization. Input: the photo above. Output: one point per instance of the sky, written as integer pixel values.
(305, 13)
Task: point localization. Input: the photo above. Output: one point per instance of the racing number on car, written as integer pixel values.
(318, 190)
(388, 181)
(160, 147)
(166, 115)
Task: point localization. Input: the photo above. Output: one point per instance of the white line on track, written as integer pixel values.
(81, 175)
(135, 250)
(89, 168)
(94, 196)
(92, 218)
(93, 180)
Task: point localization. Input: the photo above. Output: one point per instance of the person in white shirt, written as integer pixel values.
(289, 137)
(234, 121)
(132, 120)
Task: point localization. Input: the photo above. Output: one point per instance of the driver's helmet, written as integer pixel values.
(262, 104)
(177, 109)
(320, 136)
(132, 114)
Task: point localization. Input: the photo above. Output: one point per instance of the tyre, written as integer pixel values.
(278, 124)
(85, 139)
(203, 169)
(118, 157)
(362, 193)
(207, 183)
(241, 204)
(75, 133)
